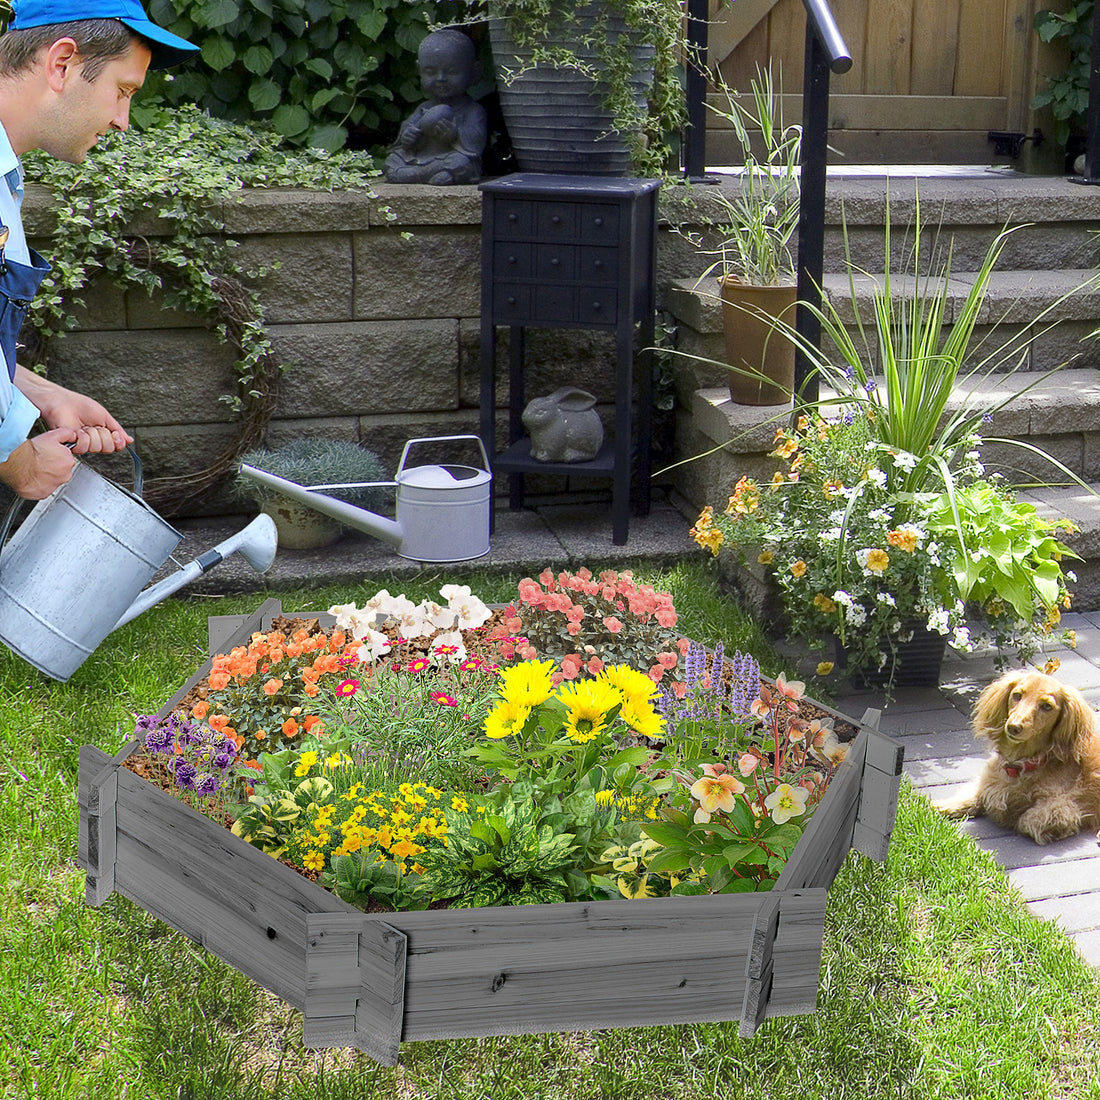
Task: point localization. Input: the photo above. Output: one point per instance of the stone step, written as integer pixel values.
(1030, 320)
(1057, 218)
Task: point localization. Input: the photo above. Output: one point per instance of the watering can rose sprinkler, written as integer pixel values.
(442, 512)
(77, 567)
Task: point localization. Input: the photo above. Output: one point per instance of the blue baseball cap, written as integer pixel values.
(168, 49)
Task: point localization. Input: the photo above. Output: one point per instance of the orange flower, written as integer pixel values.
(310, 675)
(312, 690)
(199, 710)
(310, 721)
(290, 728)
(219, 680)
(218, 722)
(260, 735)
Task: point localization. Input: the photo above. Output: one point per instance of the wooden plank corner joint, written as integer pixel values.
(879, 792)
(758, 967)
(99, 840)
(355, 984)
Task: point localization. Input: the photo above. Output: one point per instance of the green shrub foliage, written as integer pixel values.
(320, 71)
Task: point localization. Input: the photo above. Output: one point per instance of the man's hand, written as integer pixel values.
(38, 466)
(96, 430)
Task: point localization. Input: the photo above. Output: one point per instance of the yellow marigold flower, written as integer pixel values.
(1071, 638)
(305, 762)
(874, 560)
(824, 668)
(798, 569)
(825, 604)
(904, 538)
(785, 449)
(460, 804)
(778, 478)
(710, 539)
(1052, 665)
(405, 848)
(314, 861)
(528, 683)
(766, 557)
(506, 719)
(384, 837)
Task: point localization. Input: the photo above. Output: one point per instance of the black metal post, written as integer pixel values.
(1092, 123)
(811, 215)
(695, 91)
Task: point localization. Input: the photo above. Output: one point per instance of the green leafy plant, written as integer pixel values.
(539, 26)
(508, 855)
(316, 72)
(315, 462)
(180, 171)
(1067, 93)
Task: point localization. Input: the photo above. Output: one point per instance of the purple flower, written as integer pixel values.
(223, 761)
(205, 783)
(184, 772)
(746, 684)
(158, 739)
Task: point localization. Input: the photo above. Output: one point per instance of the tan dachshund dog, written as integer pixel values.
(1043, 779)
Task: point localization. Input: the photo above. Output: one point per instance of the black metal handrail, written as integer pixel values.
(826, 53)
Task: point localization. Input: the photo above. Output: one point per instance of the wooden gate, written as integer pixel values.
(929, 80)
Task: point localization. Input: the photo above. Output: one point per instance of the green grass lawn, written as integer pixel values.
(936, 982)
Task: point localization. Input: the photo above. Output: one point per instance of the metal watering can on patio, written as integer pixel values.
(76, 568)
(442, 512)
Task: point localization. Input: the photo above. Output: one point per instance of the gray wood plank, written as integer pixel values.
(758, 967)
(1076, 876)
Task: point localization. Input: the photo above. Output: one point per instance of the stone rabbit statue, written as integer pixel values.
(564, 426)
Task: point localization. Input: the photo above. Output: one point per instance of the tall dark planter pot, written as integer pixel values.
(915, 663)
(556, 117)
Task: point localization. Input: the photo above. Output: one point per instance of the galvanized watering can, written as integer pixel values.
(442, 512)
(76, 568)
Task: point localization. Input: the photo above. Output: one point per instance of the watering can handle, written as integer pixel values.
(16, 504)
(441, 439)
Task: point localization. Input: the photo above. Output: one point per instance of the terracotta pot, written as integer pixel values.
(753, 345)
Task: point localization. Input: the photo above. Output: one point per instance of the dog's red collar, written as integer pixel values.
(1015, 767)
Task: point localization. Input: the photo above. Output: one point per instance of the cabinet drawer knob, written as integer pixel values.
(598, 265)
(511, 299)
(511, 259)
(599, 222)
(555, 262)
(512, 218)
(556, 219)
(597, 306)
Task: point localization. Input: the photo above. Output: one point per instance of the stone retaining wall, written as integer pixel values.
(377, 311)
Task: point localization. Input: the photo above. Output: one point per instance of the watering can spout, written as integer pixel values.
(380, 527)
(256, 543)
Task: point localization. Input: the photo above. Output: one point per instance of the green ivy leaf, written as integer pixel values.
(218, 13)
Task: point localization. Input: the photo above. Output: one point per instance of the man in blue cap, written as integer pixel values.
(68, 69)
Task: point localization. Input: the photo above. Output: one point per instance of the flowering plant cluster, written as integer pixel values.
(264, 695)
(735, 819)
(200, 760)
(859, 554)
(584, 623)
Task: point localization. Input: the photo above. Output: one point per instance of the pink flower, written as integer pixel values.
(443, 700)
(667, 660)
(683, 645)
(595, 666)
(571, 666)
(656, 673)
(792, 690)
(613, 624)
(747, 763)
(348, 687)
(573, 629)
(679, 688)
(546, 579)
(574, 613)
(666, 617)
(527, 652)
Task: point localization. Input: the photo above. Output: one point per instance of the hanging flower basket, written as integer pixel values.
(375, 980)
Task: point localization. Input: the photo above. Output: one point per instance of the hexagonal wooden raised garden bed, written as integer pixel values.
(373, 981)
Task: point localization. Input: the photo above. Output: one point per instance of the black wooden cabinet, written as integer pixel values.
(562, 251)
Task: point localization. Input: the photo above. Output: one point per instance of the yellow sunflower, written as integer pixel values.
(506, 719)
(588, 703)
(528, 684)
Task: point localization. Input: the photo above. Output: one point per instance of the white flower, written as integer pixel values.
(842, 598)
(346, 614)
(961, 639)
(375, 644)
(442, 618)
(449, 639)
(903, 460)
(837, 517)
(471, 612)
(452, 592)
(886, 598)
(874, 474)
(832, 534)
(393, 607)
(380, 603)
(938, 621)
(880, 515)
(414, 623)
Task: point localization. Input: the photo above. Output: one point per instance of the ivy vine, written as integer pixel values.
(182, 169)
